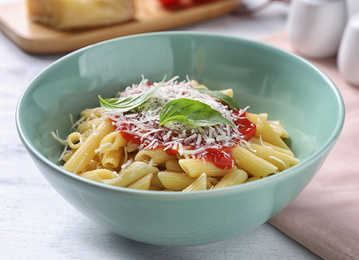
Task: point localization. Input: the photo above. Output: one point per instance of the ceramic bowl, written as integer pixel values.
(265, 78)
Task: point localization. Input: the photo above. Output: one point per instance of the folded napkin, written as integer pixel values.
(325, 216)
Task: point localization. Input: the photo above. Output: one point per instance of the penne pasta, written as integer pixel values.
(142, 184)
(196, 84)
(111, 142)
(251, 163)
(278, 129)
(131, 146)
(92, 113)
(152, 140)
(228, 92)
(158, 156)
(86, 152)
(265, 131)
(233, 177)
(111, 159)
(89, 125)
(253, 178)
(74, 140)
(281, 160)
(99, 175)
(175, 181)
(132, 173)
(67, 155)
(94, 164)
(172, 165)
(195, 167)
(211, 182)
(258, 141)
(156, 183)
(199, 184)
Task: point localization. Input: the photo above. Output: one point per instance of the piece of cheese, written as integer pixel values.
(75, 14)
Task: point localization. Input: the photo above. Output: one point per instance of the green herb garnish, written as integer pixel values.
(183, 110)
(128, 103)
(225, 98)
(192, 112)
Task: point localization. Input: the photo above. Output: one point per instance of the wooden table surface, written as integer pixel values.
(36, 223)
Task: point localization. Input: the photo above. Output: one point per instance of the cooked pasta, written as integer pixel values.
(175, 136)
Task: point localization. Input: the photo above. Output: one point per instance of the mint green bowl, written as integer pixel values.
(265, 78)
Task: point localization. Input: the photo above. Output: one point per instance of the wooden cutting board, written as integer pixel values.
(150, 16)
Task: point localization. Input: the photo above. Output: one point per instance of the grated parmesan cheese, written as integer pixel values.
(187, 140)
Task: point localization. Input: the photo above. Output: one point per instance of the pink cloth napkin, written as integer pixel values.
(325, 216)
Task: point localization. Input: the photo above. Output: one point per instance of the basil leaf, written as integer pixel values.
(128, 103)
(225, 98)
(191, 112)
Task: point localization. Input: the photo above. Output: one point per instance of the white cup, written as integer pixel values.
(348, 55)
(315, 27)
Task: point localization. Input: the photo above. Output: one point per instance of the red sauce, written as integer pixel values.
(246, 127)
(220, 157)
(131, 137)
(171, 152)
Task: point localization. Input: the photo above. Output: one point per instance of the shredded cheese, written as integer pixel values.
(185, 139)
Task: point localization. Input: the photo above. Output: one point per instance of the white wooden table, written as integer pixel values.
(36, 223)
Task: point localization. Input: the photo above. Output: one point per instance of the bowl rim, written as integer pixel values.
(237, 188)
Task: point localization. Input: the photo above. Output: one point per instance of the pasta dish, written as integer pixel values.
(175, 136)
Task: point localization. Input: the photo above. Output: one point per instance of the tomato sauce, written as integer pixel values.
(145, 131)
(219, 156)
(222, 157)
(244, 125)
